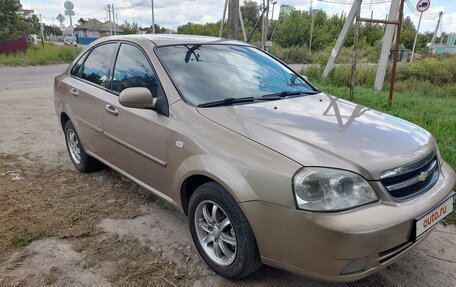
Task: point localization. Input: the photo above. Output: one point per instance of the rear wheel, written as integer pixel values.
(222, 233)
(82, 161)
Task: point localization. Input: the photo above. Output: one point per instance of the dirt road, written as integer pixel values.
(59, 227)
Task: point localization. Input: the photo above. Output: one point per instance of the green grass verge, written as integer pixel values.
(435, 114)
(36, 55)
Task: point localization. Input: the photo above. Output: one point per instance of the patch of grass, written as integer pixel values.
(24, 238)
(435, 114)
(451, 219)
(36, 55)
(5, 229)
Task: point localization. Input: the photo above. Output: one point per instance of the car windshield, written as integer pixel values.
(209, 73)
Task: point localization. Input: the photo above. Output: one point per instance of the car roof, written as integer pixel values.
(175, 39)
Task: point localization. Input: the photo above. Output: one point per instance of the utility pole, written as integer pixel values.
(340, 41)
(396, 52)
(312, 15)
(386, 46)
(223, 17)
(260, 19)
(153, 19)
(436, 30)
(242, 24)
(233, 18)
(227, 6)
(272, 13)
(264, 24)
(114, 19)
(355, 49)
(109, 19)
(41, 30)
(416, 37)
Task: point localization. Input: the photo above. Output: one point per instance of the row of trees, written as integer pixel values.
(294, 29)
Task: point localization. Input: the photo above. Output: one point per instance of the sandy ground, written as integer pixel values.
(62, 228)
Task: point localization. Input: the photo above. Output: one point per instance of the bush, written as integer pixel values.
(439, 71)
(431, 76)
(292, 55)
(340, 75)
(313, 73)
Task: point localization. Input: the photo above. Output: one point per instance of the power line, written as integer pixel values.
(131, 6)
(346, 2)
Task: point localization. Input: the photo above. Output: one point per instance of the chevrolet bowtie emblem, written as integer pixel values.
(423, 176)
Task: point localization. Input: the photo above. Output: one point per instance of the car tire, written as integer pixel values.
(233, 260)
(80, 159)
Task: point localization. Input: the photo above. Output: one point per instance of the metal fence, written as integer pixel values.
(13, 46)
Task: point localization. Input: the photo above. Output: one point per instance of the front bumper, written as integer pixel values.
(321, 245)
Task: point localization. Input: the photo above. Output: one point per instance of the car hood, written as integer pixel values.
(322, 130)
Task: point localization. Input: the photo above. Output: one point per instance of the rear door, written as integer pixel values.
(86, 89)
(136, 137)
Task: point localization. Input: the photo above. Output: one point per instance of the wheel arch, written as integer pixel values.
(64, 118)
(198, 170)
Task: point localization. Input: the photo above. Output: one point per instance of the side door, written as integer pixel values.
(136, 137)
(86, 90)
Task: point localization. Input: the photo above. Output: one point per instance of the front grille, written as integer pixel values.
(412, 179)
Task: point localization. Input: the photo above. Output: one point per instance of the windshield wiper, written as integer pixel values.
(227, 102)
(278, 96)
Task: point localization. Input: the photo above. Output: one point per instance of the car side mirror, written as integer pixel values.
(139, 98)
(305, 77)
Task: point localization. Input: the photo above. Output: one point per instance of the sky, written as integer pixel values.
(172, 13)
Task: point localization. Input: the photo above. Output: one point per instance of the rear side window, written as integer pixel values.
(96, 67)
(132, 69)
(77, 66)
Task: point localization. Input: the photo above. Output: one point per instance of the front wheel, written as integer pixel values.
(222, 233)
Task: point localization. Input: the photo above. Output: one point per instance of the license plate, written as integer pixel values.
(434, 216)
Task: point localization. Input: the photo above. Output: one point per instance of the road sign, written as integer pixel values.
(423, 5)
(71, 13)
(68, 5)
(60, 18)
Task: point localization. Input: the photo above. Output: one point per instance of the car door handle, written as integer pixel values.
(112, 110)
(74, 92)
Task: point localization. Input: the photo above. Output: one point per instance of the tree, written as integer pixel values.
(81, 21)
(130, 28)
(52, 30)
(294, 29)
(209, 29)
(158, 29)
(34, 25)
(250, 12)
(11, 24)
(408, 32)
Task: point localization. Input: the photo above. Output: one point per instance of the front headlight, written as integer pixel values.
(325, 189)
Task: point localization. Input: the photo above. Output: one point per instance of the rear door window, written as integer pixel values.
(97, 66)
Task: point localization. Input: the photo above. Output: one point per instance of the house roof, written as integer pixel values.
(95, 25)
